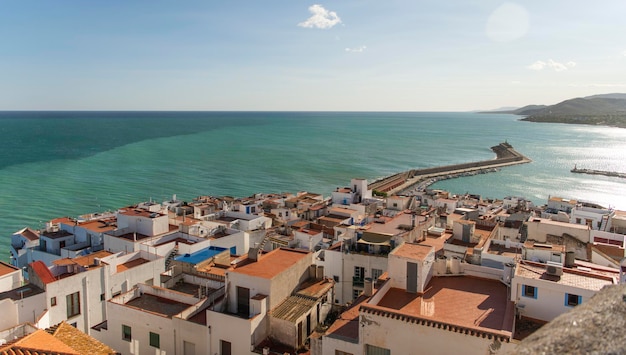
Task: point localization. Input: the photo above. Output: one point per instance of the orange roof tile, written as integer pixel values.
(42, 271)
(39, 342)
(465, 303)
(413, 251)
(80, 341)
(6, 269)
(29, 234)
(272, 263)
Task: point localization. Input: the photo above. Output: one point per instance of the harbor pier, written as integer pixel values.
(505, 156)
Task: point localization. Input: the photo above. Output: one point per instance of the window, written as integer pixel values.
(225, 347)
(529, 291)
(339, 352)
(572, 300)
(374, 350)
(155, 340)
(336, 278)
(359, 272)
(126, 333)
(189, 348)
(102, 297)
(73, 304)
(355, 293)
(53, 301)
(376, 274)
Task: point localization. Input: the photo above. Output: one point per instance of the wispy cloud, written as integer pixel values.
(320, 18)
(624, 53)
(358, 49)
(551, 64)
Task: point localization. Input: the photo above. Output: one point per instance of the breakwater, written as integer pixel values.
(505, 156)
(598, 172)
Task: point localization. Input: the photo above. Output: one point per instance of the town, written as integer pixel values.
(361, 271)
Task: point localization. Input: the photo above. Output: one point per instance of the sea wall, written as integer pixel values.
(505, 155)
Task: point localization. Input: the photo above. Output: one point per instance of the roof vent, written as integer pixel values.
(554, 268)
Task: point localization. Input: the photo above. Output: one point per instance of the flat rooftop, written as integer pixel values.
(466, 302)
(413, 251)
(159, 305)
(395, 225)
(131, 264)
(570, 277)
(272, 263)
(6, 269)
(21, 292)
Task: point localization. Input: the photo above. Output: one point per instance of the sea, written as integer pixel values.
(55, 164)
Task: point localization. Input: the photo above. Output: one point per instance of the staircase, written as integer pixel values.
(170, 257)
(523, 233)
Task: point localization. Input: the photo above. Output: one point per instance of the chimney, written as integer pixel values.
(368, 287)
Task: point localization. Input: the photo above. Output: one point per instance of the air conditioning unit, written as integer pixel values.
(554, 268)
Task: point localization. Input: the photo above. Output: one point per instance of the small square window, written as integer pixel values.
(336, 278)
(53, 301)
(572, 300)
(102, 297)
(155, 340)
(126, 333)
(529, 291)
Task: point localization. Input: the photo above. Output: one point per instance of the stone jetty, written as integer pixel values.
(505, 156)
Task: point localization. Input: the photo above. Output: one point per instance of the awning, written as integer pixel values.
(375, 239)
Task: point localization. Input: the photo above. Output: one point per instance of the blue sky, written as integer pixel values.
(361, 55)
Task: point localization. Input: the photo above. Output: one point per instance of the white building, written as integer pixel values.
(155, 320)
(254, 286)
(355, 194)
(440, 315)
(595, 217)
(76, 289)
(544, 291)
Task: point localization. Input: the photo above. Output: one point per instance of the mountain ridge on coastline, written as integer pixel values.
(601, 110)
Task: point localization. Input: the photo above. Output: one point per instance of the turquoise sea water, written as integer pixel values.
(56, 164)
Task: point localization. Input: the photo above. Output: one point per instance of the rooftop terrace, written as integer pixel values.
(459, 303)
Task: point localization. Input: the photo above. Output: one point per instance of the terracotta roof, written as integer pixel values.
(28, 234)
(467, 304)
(38, 343)
(347, 325)
(89, 260)
(272, 263)
(413, 251)
(42, 271)
(131, 264)
(6, 269)
(315, 289)
(80, 341)
(570, 277)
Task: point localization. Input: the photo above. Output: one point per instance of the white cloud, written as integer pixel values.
(551, 64)
(624, 53)
(538, 65)
(358, 49)
(320, 18)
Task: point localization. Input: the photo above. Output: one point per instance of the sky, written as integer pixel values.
(292, 55)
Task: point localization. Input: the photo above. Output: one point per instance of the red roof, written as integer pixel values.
(42, 272)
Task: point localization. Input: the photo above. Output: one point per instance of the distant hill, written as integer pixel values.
(604, 110)
(526, 110)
